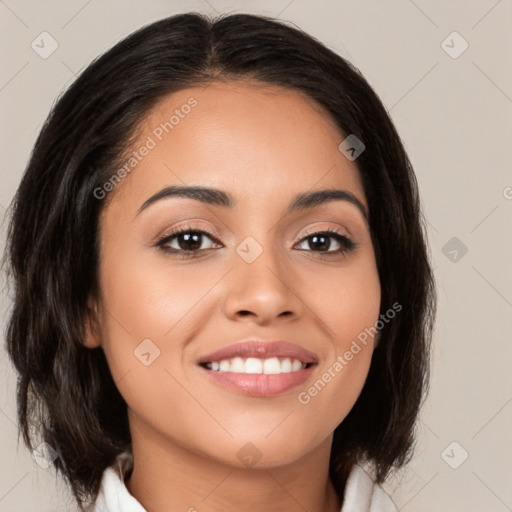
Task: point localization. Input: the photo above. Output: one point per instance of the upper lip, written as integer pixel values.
(261, 349)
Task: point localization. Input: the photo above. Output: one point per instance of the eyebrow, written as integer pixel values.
(224, 199)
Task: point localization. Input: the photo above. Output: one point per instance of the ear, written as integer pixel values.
(92, 326)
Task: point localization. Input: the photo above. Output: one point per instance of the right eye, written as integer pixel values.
(187, 242)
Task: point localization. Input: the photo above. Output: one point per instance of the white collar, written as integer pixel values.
(362, 494)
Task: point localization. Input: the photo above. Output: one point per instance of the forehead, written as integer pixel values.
(256, 140)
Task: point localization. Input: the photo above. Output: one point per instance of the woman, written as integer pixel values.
(223, 296)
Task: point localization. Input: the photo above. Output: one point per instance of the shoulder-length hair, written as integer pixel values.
(65, 391)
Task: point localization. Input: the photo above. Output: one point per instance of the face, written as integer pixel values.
(247, 266)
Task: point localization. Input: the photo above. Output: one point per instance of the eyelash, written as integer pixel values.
(346, 243)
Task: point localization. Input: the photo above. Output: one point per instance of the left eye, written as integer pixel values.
(321, 241)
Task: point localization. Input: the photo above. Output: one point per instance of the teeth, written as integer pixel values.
(286, 365)
(224, 365)
(271, 366)
(252, 365)
(296, 365)
(237, 365)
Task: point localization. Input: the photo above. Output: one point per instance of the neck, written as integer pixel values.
(167, 477)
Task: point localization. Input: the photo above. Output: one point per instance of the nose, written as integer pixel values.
(263, 290)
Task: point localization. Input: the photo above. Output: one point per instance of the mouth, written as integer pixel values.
(254, 365)
(258, 368)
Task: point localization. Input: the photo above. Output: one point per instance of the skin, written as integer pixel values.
(264, 145)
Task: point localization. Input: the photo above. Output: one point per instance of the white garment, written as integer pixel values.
(362, 494)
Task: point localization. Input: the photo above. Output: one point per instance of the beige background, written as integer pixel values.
(454, 115)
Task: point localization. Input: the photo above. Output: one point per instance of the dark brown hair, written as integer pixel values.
(65, 392)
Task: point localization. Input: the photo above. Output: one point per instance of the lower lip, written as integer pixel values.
(259, 384)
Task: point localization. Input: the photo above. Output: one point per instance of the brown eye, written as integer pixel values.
(323, 241)
(186, 241)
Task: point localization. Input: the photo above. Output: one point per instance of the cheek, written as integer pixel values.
(149, 297)
(347, 300)
(349, 311)
(150, 310)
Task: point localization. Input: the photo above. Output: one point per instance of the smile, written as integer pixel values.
(253, 365)
(259, 368)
